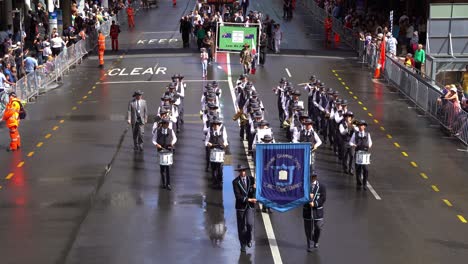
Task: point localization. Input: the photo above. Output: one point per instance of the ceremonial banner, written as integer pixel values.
(282, 175)
(233, 37)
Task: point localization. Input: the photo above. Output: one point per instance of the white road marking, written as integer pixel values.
(266, 217)
(287, 71)
(159, 32)
(312, 56)
(377, 197)
(160, 81)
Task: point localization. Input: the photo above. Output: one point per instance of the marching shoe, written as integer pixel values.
(264, 210)
(316, 245)
(249, 244)
(168, 187)
(243, 248)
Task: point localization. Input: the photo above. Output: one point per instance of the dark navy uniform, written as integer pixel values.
(244, 189)
(313, 214)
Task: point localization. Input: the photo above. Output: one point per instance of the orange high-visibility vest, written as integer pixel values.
(11, 114)
(102, 41)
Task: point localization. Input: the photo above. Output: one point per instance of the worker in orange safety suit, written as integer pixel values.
(131, 17)
(328, 29)
(114, 34)
(101, 48)
(11, 117)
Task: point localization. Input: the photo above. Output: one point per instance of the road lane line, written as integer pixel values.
(61, 121)
(414, 164)
(90, 92)
(266, 218)
(389, 136)
(30, 154)
(404, 154)
(350, 92)
(370, 114)
(435, 188)
(20, 164)
(363, 108)
(40, 144)
(355, 97)
(158, 81)
(339, 79)
(287, 71)
(10, 175)
(84, 97)
(74, 108)
(79, 102)
(343, 83)
(447, 202)
(360, 103)
(377, 197)
(382, 128)
(48, 135)
(55, 128)
(376, 121)
(462, 219)
(423, 175)
(396, 144)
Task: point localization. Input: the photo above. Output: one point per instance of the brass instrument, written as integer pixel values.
(243, 117)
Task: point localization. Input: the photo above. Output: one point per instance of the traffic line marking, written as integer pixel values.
(447, 202)
(424, 175)
(1, 187)
(363, 108)
(90, 92)
(94, 87)
(355, 97)
(275, 252)
(370, 114)
(382, 128)
(339, 79)
(333, 71)
(435, 188)
(396, 144)
(389, 136)
(30, 154)
(404, 154)
(376, 121)
(61, 121)
(39, 144)
(462, 219)
(414, 164)
(74, 108)
(84, 97)
(350, 92)
(55, 128)
(48, 135)
(20, 164)
(10, 175)
(336, 74)
(347, 88)
(287, 71)
(343, 83)
(80, 102)
(359, 102)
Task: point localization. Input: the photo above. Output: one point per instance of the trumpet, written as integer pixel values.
(240, 115)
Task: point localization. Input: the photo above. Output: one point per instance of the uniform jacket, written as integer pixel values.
(320, 196)
(242, 194)
(132, 112)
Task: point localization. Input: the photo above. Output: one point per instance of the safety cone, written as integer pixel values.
(377, 72)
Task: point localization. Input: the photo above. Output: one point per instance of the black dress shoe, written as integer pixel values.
(351, 172)
(168, 187)
(163, 186)
(316, 245)
(264, 210)
(249, 244)
(243, 249)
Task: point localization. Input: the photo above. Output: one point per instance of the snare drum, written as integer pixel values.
(362, 157)
(165, 158)
(217, 155)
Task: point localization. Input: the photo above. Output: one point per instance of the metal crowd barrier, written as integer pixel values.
(52, 70)
(428, 98)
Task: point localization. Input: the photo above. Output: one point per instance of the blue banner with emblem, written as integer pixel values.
(282, 175)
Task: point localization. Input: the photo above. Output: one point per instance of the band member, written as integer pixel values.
(333, 98)
(347, 130)
(252, 129)
(244, 191)
(267, 139)
(164, 139)
(137, 116)
(216, 138)
(316, 115)
(336, 115)
(307, 134)
(362, 141)
(313, 213)
(213, 110)
(279, 91)
(324, 114)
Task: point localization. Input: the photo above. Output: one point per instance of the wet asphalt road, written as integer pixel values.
(60, 205)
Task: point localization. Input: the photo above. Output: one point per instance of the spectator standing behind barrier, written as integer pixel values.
(409, 61)
(419, 58)
(46, 52)
(263, 47)
(57, 44)
(114, 34)
(30, 64)
(465, 81)
(391, 44)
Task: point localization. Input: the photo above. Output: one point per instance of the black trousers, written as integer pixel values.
(217, 172)
(250, 140)
(245, 220)
(262, 56)
(348, 157)
(313, 229)
(244, 131)
(138, 131)
(365, 173)
(165, 175)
